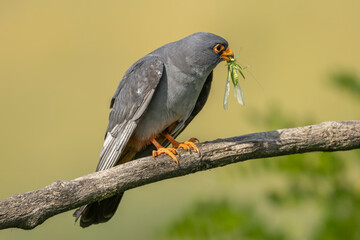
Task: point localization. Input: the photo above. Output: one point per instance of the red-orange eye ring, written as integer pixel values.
(218, 48)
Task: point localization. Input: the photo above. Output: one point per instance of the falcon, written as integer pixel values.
(158, 96)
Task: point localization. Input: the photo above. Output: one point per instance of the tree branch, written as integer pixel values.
(27, 210)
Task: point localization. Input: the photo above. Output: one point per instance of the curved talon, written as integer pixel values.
(189, 145)
(194, 140)
(184, 146)
(171, 152)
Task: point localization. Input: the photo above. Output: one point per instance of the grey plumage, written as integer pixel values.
(168, 86)
(128, 106)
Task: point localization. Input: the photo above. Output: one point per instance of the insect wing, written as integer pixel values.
(239, 95)
(227, 90)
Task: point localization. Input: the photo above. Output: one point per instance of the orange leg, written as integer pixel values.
(187, 145)
(171, 152)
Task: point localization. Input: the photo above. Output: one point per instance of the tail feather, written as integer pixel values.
(98, 212)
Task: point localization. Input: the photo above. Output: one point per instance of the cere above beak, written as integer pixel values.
(227, 53)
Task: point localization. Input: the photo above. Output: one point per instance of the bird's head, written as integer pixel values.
(202, 51)
(210, 46)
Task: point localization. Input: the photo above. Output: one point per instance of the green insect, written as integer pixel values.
(234, 69)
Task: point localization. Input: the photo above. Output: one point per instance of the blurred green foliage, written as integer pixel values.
(221, 220)
(348, 81)
(322, 179)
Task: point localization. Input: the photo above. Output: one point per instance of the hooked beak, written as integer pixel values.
(227, 53)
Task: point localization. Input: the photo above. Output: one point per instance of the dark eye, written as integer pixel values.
(218, 48)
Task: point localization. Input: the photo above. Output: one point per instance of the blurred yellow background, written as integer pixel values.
(61, 61)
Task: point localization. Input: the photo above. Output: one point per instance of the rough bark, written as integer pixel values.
(27, 210)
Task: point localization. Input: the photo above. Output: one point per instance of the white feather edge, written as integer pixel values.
(117, 139)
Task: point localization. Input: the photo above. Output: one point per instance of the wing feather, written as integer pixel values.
(130, 101)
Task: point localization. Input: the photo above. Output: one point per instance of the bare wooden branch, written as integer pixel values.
(27, 210)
